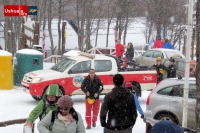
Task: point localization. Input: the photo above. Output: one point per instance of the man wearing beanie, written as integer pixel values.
(92, 87)
(120, 106)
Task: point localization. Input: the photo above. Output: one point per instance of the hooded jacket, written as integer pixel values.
(121, 109)
(130, 53)
(171, 71)
(119, 50)
(167, 45)
(92, 87)
(158, 44)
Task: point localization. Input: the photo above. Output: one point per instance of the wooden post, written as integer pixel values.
(63, 37)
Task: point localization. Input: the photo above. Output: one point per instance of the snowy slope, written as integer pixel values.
(15, 104)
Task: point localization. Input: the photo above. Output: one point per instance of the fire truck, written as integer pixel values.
(70, 72)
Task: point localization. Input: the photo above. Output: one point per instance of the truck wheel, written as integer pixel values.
(167, 116)
(36, 98)
(136, 88)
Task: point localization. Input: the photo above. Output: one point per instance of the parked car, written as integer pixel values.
(180, 66)
(165, 101)
(149, 57)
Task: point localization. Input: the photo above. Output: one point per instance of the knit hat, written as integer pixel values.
(65, 102)
(118, 80)
(165, 126)
(128, 84)
(158, 59)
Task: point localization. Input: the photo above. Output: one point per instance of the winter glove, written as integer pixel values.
(142, 116)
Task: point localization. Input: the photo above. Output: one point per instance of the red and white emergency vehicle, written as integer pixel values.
(70, 72)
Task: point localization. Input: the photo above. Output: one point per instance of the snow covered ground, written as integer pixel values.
(16, 104)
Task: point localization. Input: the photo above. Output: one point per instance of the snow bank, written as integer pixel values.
(5, 53)
(30, 52)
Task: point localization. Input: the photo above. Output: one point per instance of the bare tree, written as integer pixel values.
(198, 66)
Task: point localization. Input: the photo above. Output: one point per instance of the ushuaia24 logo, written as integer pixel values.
(19, 10)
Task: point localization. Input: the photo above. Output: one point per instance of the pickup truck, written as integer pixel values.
(70, 72)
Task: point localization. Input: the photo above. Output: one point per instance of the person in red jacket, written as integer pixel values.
(119, 49)
(158, 44)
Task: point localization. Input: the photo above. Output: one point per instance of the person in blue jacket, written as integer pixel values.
(129, 87)
(167, 44)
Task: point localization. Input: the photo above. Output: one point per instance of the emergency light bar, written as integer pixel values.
(87, 55)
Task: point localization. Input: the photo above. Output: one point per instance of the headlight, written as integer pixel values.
(36, 80)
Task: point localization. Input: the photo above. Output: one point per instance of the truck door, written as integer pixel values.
(105, 71)
(77, 74)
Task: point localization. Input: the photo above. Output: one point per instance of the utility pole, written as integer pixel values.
(187, 63)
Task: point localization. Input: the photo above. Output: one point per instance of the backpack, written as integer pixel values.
(43, 109)
(55, 112)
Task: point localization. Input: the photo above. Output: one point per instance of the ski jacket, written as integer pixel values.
(167, 45)
(59, 127)
(121, 109)
(158, 44)
(119, 50)
(137, 103)
(171, 71)
(38, 110)
(93, 87)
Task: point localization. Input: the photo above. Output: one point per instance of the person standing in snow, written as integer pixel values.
(119, 49)
(92, 87)
(167, 44)
(130, 52)
(158, 44)
(49, 102)
(171, 70)
(120, 106)
(65, 119)
(129, 88)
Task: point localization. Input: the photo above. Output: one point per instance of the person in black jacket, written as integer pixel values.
(160, 69)
(92, 87)
(130, 52)
(171, 70)
(120, 106)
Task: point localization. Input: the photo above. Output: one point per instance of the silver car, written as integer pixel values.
(149, 57)
(165, 101)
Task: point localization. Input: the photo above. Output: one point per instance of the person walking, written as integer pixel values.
(129, 52)
(119, 49)
(129, 88)
(119, 108)
(49, 102)
(167, 44)
(92, 87)
(65, 119)
(158, 44)
(171, 70)
(160, 69)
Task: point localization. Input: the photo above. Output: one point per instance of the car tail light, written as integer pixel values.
(148, 98)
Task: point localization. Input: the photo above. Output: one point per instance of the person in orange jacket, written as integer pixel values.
(119, 49)
(158, 43)
(192, 68)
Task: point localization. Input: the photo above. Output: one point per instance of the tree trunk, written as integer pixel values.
(125, 30)
(198, 66)
(63, 37)
(108, 28)
(59, 29)
(49, 27)
(97, 33)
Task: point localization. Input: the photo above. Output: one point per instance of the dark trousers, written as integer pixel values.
(128, 130)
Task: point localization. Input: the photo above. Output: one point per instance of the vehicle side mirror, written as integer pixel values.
(70, 72)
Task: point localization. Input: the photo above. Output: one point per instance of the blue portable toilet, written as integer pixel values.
(27, 60)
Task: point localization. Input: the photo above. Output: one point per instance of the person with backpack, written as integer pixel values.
(129, 88)
(118, 111)
(47, 103)
(65, 119)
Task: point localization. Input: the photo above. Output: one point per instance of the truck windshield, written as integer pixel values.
(63, 65)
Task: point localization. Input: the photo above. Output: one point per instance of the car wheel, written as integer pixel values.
(167, 116)
(36, 98)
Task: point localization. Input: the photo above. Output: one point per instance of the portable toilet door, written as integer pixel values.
(6, 70)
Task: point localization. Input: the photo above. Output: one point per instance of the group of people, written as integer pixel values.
(171, 69)
(118, 111)
(160, 44)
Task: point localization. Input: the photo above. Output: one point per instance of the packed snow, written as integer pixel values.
(29, 52)
(16, 104)
(5, 53)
